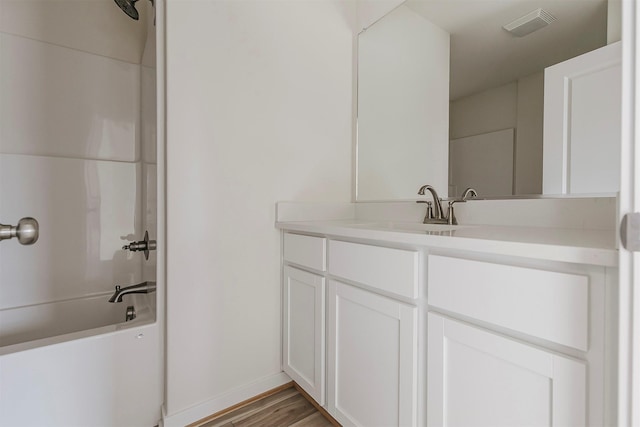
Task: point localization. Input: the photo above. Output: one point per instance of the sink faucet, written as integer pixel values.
(437, 215)
(451, 216)
(140, 288)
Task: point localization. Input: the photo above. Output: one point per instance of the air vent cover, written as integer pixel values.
(529, 23)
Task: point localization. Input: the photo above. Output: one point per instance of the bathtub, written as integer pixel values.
(78, 363)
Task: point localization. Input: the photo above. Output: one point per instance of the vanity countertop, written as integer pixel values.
(584, 246)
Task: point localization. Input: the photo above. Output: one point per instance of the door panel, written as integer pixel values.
(372, 367)
(303, 334)
(478, 378)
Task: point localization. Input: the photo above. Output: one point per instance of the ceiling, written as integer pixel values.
(484, 55)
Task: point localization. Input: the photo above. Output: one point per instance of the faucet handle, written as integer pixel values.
(451, 216)
(468, 194)
(145, 245)
(429, 214)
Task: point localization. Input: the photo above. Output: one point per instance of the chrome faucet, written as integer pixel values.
(466, 194)
(140, 288)
(437, 216)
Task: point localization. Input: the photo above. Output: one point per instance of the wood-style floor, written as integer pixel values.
(284, 407)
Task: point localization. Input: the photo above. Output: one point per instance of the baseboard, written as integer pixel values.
(224, 401)
(315, 405)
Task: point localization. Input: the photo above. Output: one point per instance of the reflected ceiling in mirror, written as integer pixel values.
(486, 62)
(484, 55)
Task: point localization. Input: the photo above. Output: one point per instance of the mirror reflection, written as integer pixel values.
(448, 97)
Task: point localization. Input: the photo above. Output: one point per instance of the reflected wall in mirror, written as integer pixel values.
(490, 131)
(403, 97)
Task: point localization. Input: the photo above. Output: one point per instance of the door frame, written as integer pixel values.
(629, 201)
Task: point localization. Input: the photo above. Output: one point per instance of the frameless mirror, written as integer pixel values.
(448, 97)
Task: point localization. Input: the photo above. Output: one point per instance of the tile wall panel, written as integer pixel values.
(93, 26)
(57, 101)
(87, 210)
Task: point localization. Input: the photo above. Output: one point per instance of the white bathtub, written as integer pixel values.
(77, 363)
(37, 322)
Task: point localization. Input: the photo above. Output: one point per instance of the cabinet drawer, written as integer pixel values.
(307, 251)
(545, 304)
(391, 270)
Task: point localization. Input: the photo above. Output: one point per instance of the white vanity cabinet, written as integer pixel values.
(303, 335)
(419, 330)
(303, 318)
(372, 369)
(478, 378)
(372, 338)
(515, 344)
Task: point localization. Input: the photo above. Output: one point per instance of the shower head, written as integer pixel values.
(129, 7)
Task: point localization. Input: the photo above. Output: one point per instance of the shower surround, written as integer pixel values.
(78, 153)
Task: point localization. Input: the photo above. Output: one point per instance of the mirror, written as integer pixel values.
(448, 97)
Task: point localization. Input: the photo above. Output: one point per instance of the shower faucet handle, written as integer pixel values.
(145, 245)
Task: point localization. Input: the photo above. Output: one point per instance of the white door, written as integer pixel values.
(303, 334)
(581, 141)
(629, 201)
(477, 378)
(372, 355)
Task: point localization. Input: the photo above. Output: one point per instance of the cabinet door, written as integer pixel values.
(372, 348)
(477, 378)
(303, 335)
(582, 114)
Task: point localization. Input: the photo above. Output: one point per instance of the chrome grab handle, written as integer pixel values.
(27, 231)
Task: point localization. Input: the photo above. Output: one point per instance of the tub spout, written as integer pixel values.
(140, 288)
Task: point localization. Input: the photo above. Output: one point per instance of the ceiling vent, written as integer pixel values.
(530, 22)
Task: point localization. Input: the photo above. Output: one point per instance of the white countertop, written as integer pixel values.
(584, 246)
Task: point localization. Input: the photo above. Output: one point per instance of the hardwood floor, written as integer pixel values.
(284, 407)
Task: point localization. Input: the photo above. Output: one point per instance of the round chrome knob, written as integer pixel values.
(27, 231)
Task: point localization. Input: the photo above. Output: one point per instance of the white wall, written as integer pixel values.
(517, 105)
(369, 11)
(258, 110)
(614, 21)
(403, 95)
(488, 111)
(478, 116)
(528, 156)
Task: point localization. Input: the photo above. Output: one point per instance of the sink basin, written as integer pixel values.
(415, 227)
